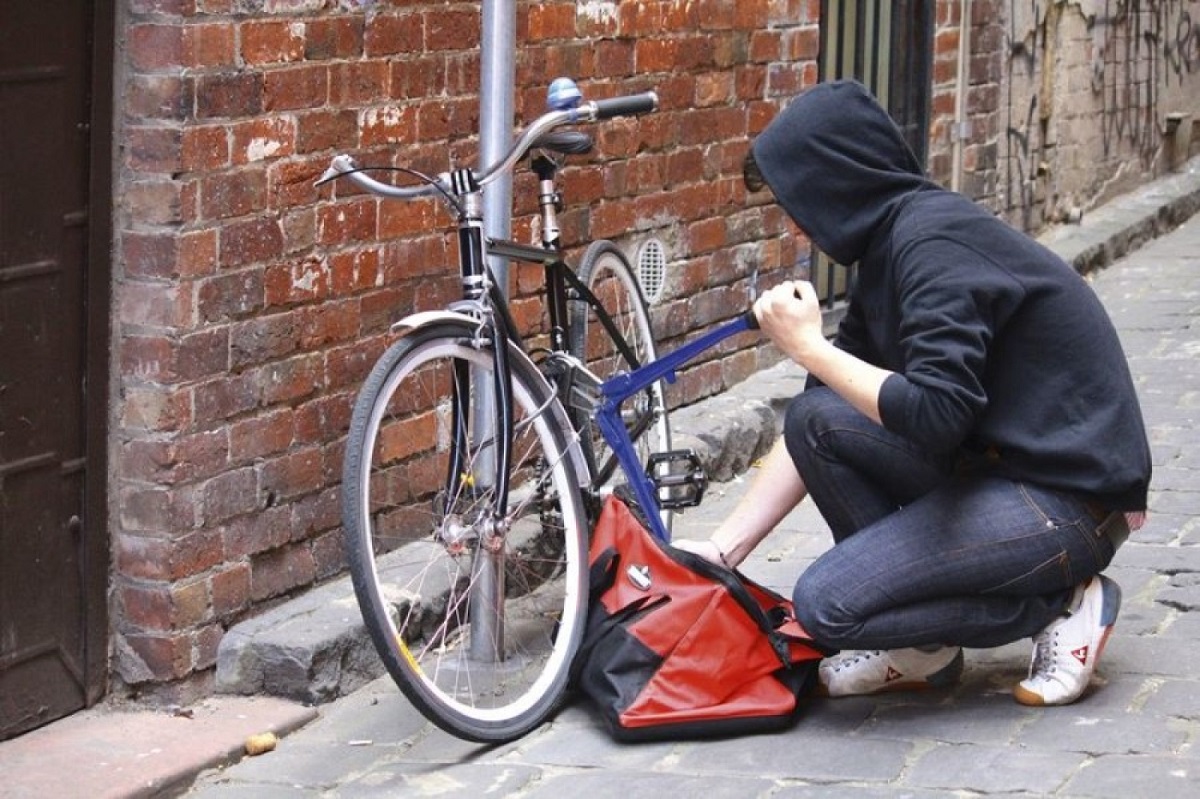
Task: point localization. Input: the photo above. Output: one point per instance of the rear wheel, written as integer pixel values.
(608, 275)
(476, 610)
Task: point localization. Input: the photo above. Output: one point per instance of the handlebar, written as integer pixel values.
(592, 111)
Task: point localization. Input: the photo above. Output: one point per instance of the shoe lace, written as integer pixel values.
(849, 660)
(1043, 662)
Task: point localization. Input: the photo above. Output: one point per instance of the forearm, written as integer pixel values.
(853, 379)
(774, 491)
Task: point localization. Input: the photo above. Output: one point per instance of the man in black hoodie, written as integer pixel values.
(971, 436)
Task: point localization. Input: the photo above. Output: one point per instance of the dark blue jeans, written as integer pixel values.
(924, 554)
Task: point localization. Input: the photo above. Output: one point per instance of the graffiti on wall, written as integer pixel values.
(1137, 49)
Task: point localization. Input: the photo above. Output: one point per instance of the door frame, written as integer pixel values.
(96, 556)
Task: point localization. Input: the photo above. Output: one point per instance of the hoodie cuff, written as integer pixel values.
(893, 403)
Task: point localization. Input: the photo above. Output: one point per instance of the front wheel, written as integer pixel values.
(630, 344)
(476, 610)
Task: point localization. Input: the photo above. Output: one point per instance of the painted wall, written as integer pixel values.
(1087, 92)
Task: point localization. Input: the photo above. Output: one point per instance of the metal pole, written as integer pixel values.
(498, 73)
(498, 49)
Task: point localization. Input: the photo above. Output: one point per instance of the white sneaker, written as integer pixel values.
(861, 672)
(1066, 653)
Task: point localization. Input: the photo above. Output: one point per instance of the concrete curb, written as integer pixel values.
(314, 648)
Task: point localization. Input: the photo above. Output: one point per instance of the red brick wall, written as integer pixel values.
(249, 305)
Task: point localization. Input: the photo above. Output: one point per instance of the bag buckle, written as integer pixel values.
(678, 477)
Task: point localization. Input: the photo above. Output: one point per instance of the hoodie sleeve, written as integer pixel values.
(952, 303)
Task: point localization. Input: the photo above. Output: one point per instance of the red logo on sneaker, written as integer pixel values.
(1080, 654)
(892, 675)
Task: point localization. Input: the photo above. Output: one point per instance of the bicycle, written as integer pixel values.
(499, 455)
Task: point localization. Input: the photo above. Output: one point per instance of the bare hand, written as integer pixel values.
(790, 315)
(706, 549)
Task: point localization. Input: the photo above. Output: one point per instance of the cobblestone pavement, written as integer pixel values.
(1134, 734)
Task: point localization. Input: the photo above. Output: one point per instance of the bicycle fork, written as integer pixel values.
(492, 416)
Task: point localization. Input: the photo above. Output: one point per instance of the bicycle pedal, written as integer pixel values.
(678, 477)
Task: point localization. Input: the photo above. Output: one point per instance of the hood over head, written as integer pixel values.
(838, 165)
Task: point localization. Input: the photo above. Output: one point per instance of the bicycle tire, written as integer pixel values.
(608, 275)
(414, 551)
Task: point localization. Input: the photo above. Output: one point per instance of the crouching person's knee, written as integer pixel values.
(823, 615)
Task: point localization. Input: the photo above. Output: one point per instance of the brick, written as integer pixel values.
(211, 45)
(352, 220)
(326, 129)
(388, 125)
(230, 590)
(290, 185)
(392, 34)
(329, 554)
(292, 475)
(322, 419)
(230, 296)
(358, 82)
(185, 457)
(260, 436)
(249, 242)
(161, 97)
(317, 513)
(290, 284)
(155, 657)
(291, 88)
(276, 573)
(329, 323)
(228, 495)
(293, 379)
(225, 95)
(550, 21)
(170, 7)
(206, 644)
(232, 194)
(153, 149)
(272, 41)
(452, 29)
(204, 148)
(347, 367)
(157, 558)
(262, 339)
(338, 37)
(154, 47)
(254, 533)
(263, 139)
(150, 255)
(154, 202)
(156, 409)
(157, 510)
(224, 398)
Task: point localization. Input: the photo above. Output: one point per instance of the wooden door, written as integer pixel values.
(54, 272)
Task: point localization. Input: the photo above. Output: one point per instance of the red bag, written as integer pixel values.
(677, 647)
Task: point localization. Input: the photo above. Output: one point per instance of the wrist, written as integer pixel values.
(721, 555)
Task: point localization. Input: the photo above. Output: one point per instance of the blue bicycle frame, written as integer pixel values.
(617, 389)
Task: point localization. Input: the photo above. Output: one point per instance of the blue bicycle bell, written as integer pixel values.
(563, 95)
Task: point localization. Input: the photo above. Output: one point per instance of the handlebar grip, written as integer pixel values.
(751, 319)
(626, 106)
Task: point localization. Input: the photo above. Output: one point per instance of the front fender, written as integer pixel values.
(422, 318)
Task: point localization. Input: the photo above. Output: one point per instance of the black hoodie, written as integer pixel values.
(997, 345)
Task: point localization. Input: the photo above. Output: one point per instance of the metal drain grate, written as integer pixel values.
(652, 269)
